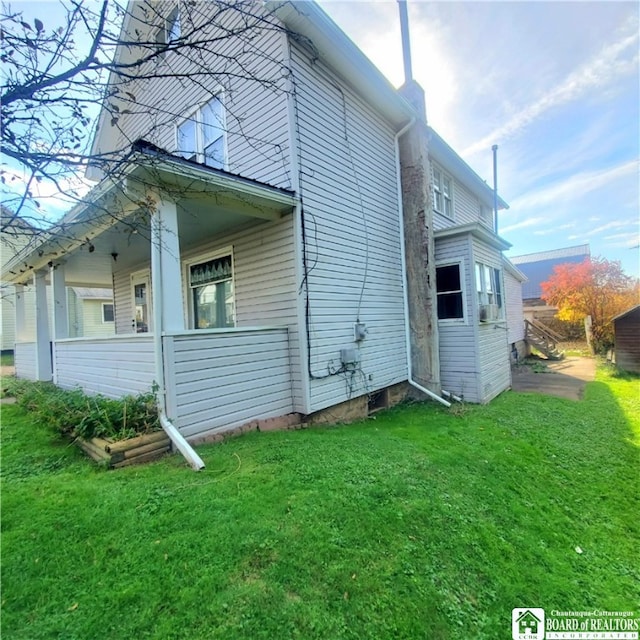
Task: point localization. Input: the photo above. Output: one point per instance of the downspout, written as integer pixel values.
(161, 397)
(403, 263)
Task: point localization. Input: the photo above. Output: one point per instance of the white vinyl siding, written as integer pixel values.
(352, 234)
(459, 367)
(113, 367)
(254, 95)
(515, 309)
(264, 282)
(493, 348)
(221, 380)
(466, 207)
(25, 360)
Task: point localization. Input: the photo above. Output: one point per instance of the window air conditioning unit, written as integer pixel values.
(489, 312)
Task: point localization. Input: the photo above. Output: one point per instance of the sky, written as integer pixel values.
(556, 85)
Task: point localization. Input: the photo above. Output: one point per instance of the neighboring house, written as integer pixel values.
(626, 328)
(91, 312)
(270, 281)
(538, 268)
(17, 234)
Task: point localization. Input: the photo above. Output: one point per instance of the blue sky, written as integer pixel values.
(554, 84)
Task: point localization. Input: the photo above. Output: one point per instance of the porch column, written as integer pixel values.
(60, 309)
(166, 274)
(21, 315)
(43, 344)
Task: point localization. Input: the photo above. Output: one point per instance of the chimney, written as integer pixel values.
(410, 90)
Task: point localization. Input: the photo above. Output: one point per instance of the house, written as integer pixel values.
(255, 242)
(514, 280)
(538, 268)
(626, 327)
(472, 309)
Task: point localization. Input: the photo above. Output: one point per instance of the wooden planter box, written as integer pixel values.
(122, 453)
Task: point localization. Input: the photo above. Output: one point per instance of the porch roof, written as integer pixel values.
(111, 224)
(475, 229)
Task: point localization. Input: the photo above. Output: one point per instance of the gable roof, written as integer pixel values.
(539, 267)
(627, 312)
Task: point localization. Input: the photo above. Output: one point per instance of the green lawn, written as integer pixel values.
(420, 523)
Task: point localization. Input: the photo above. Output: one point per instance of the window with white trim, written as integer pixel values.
(169, 31)
(108, 314)
(442, 192)
(211, 293)
(449, 292)
(489, 289)
(202, 137)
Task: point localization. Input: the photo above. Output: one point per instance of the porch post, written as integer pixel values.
(21, 316)
(166, 271)
(43, 345)
(60, 310)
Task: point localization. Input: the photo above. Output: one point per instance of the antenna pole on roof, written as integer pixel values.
(406, 43)
(494, 148)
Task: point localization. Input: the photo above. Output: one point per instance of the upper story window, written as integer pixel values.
(489, 288)
(211, 285)
(202, 136)
(442, 192)
(170, 30)
(449, 292)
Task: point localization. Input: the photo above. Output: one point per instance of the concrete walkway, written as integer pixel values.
(563, 378)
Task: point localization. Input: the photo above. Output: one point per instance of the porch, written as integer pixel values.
(202, 268)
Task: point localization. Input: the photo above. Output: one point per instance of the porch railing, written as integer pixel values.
(114, 367)
(25, 360)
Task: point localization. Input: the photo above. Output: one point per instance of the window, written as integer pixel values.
(449, 292)
(169, 32)
(202, 137)
(442, 193)
(211, 285)
(107, 312)
(489, 288)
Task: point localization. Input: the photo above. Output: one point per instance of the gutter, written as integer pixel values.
(161, 396)
(405, 284)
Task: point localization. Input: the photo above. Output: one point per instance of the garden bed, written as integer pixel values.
(122, 453)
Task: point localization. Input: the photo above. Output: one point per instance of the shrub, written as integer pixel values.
(76, 414)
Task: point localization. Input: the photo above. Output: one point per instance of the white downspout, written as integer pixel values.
(156, 287)
(405, 285)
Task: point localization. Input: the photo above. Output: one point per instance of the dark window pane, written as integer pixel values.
(450, 306)
(448, 278)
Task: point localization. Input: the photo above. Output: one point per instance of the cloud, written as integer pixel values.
(529, 222)
(577, 185)
(601, 70)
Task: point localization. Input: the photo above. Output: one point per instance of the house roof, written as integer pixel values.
(111, 200)
(332, 45)
(539, 267)
(565, 252)
(627, 312)
(513, 270)
(88, 293)
(475, 229)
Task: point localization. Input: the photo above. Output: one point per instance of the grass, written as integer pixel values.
(6, 359)
(420, 523)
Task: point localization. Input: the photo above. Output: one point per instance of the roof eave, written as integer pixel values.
(343, 56)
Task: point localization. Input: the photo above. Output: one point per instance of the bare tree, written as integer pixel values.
(57, 78)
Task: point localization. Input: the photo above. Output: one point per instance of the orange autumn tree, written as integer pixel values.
(595, 287)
